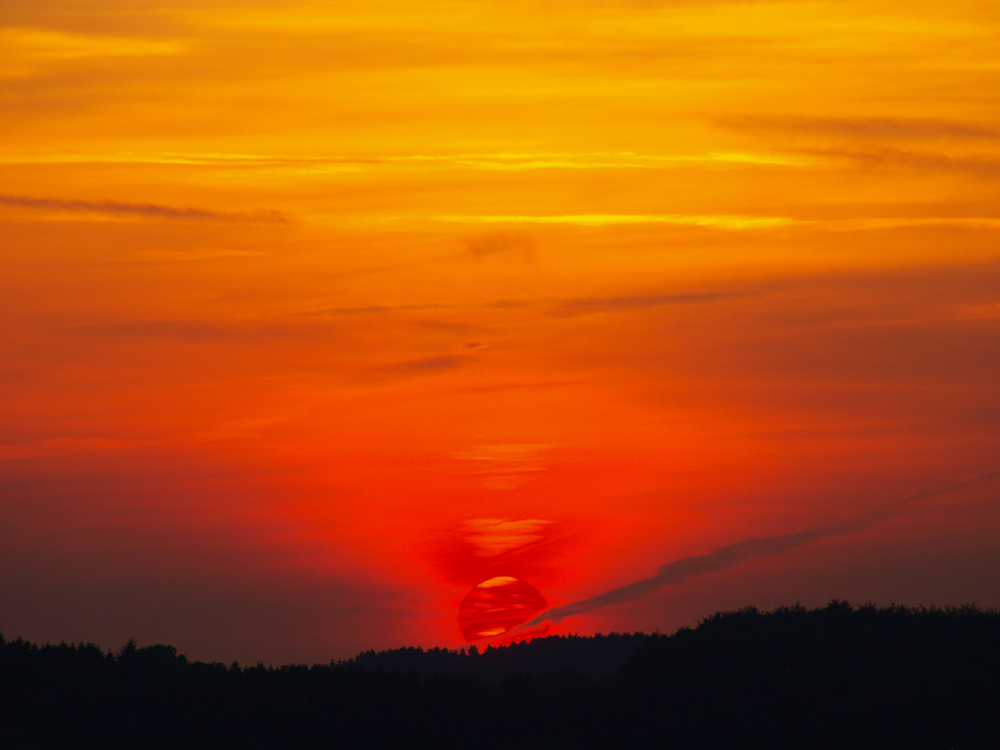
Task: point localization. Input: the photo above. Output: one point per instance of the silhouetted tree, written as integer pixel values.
(834, 677)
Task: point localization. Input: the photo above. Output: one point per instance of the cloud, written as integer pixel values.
(748, 549)
(443, 362)
(507, 466)
(505, 161)
(863, 127)
(572, 306)
(862, 224)
(24, 48)
(584, 305)
(372, 310)
(178, 255)
(503, 453)
(494, 536)
(508, 244)
(518, 386)
(183, 330)
(63, 447)
(918, 160)
(501, 161)
(866, 133)
(141, 210)
(708, 221)
(310, 165)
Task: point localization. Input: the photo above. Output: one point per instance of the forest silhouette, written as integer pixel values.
(833, 677)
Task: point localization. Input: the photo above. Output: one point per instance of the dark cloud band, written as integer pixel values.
(732, 554)
(146, 210)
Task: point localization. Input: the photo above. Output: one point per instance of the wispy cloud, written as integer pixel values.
(430, 364)
(185, 330)
(372, 309)
(863, 127)
(601, 160)
(922, 161)
(583, 305)
(529, 385)
(708, 221)
(565, 306)
(240, 161)
(24, 49)
(733, 554)
(500, 161)
(571, 306)
(139, 210)
(505, 244)
(899, 222)
(507, 466)
(494, 536)
(63, 447)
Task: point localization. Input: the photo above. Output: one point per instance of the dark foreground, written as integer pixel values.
(836, 677)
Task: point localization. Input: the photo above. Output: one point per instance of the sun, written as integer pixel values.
(497, 605)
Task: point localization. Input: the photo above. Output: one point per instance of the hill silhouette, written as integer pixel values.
(588, 656)
(834, 677)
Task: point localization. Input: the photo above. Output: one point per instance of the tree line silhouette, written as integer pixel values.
(833, 677)
(589, 656)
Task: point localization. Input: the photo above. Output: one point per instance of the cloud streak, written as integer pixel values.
(62, 447)
(185, 330)
(921, 161)
(139, 210)
(430, 364)
(372, 310)
(576, 306)
(584, 305)
(708, 221)
(748, 549)
(864, 127)
(510, 244)
(32, 45)
(506, 162)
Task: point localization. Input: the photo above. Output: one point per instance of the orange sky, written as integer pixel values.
(317, 315)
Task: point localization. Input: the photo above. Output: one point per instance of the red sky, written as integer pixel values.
(317, 315)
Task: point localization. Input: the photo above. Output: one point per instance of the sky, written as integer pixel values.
(317, 315)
